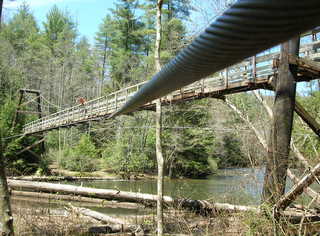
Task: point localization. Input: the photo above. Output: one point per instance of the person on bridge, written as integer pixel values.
(81, 101)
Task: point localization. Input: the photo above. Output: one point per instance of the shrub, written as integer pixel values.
(82, 157)
(118, 158)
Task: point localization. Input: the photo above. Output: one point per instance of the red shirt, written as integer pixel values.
(81, 100)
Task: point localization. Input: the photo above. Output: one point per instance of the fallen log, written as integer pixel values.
(297, 189)
(60, 178)
(109, 194)
(309, 191)
(105, 230)
(198, 206)
(77, 198)
(114, 225)
(206, 208)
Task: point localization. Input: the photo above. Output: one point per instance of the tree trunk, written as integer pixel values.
(198, 206)
(171, 167)
(278, 155)
(160, 162)
(114, 225)
(309, 191)
(159, 154)
(75, 198)
(6, 220)
(110, 194)
(298, 188)
(103, 64)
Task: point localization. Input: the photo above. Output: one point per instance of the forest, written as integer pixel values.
(199, 137)
(56, 60)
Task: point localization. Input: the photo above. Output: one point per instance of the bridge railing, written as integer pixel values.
(250, 70)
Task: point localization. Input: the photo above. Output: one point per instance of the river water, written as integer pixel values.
(235, 186)
(239, 186)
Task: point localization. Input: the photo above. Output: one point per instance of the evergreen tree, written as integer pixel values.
(59, 26)
(102, 45)
(122, 30)
(21, 29)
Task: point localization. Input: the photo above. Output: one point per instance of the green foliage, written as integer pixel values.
(191, 147)
(213, 164)
(21, 29)
(58, 26)
(131, 151)
(118, 159)
(120, 39)
(308, 142)
(86, 147)
(229, 154)
(82, 157)
(59, 63)
(13, 143)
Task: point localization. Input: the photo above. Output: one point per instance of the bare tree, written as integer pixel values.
(158, 124)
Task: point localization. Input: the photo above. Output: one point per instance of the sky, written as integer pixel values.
(87, 13)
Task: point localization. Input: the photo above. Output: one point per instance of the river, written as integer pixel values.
(239, 186)
(235, 185)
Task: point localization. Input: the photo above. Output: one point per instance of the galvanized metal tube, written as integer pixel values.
(246, 28)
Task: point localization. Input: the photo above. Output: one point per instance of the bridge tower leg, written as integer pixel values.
(283, 108)
(38, 111)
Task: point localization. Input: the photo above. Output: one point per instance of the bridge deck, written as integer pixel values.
(253, 73)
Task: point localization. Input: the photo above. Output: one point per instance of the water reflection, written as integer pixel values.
(238, 186)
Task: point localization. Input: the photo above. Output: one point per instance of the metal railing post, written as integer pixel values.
(254, 68)
(226, 78)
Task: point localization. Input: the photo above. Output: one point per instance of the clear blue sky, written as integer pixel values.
(87, 13)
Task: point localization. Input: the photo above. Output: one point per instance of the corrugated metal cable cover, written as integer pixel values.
(246, 28)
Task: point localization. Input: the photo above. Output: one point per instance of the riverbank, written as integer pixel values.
(58, 221)
(58, 174)
(53, 220)
(227, 186)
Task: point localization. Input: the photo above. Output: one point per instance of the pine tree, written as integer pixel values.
(21, 29)
(103, 47)
(122, 31)
(58, 26)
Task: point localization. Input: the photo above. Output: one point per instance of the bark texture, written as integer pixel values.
(110, 194)
(278, 155)
(298, 188)
(75, 198)
(159, 154)
(6, 220)
(115, 225)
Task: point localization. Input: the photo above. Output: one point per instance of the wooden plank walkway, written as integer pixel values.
(253, 73)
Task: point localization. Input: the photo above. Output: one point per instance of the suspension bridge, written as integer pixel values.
(224, 60)
(209, 66)
(258, 72)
